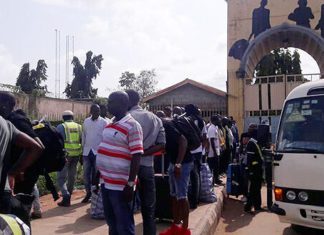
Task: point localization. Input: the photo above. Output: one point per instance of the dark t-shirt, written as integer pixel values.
(172, 143)
(22, 123)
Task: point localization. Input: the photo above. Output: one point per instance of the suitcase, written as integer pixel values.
(163, 208)
(233, 180)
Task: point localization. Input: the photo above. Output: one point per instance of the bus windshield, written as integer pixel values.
(302, 126)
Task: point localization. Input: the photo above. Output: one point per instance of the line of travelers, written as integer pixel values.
(118, 154)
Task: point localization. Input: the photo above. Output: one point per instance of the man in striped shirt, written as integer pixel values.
(118, 161)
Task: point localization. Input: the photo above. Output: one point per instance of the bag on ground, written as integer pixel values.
(96, 208)
(207, 193)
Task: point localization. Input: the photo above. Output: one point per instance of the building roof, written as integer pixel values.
(182, 83)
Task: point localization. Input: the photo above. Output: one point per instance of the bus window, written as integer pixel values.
(302, 126)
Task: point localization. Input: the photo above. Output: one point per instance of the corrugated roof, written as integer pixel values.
(182, 83)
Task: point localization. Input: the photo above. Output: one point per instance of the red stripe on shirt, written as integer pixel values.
(113, 181)
(119, 128)
(116, 155)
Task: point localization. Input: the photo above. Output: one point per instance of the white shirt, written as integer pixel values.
(92, 134)
(213, 133)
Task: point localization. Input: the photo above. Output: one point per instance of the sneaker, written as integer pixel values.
(36, 215)
(173, 230)
(86, 199)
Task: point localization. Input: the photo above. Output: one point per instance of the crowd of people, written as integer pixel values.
(119, 154)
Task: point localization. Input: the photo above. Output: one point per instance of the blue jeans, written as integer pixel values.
(68, 172)
(89, 170)
(179, 187)
(118, 213)
(148, 198)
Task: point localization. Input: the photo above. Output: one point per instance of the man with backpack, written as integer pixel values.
(10, 138)
(71, 133)
(192, 112)
(181, 164)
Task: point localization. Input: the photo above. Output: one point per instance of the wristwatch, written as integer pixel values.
(131, 183)
(177, 165)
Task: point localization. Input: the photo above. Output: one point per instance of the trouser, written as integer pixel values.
(213, 163)
(118, 213)
(254, 195)
(36, 203)
(148, 198)
(68, 173)
(89, 170)
(195, 179)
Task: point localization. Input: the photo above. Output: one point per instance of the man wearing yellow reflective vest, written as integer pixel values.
(71, 132)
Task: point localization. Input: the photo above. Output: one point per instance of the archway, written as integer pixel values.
(284, 35)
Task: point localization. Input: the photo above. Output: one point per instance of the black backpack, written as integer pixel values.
(54, 155)
(187, 127)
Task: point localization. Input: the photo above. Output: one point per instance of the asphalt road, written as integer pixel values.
(236, 222)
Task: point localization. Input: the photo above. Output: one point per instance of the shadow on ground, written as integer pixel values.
(234, 216)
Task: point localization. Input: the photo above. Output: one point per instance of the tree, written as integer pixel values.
(279, 61)
(145, 83)
(30, 80)
(81, 86)
(296, 68)
(127, 80)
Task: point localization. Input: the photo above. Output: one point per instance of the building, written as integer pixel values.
(209, 99)
(255, 28)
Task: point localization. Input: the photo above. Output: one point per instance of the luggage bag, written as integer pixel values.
(233, 186)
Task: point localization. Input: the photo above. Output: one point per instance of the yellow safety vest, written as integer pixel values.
(72, 142)
(12, 224)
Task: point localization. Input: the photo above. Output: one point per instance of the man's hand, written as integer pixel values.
(177, 172)
(128, 193)
(11, 180)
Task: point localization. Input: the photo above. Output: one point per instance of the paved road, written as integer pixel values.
(235, 222)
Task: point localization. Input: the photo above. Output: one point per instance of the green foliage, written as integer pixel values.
(81, 86)
(145, 83)
(30, 80)
(279, 61)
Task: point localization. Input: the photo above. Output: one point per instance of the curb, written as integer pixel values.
(207, 225)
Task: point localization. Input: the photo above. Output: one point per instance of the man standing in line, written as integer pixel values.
(254, 170)
(153, 142)
(214, 149)
(93, 127)
(181, 164)
(118, 161)
(71, 132)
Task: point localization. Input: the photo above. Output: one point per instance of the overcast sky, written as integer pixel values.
(179, 38)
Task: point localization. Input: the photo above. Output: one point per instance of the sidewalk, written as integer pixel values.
(76, 219)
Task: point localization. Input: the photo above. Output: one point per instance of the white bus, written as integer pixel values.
(299, 158)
